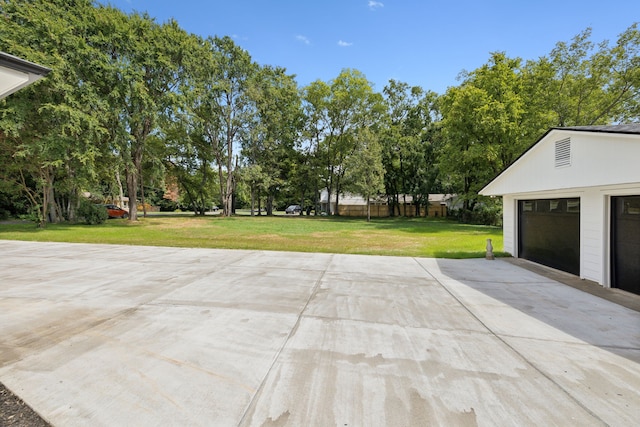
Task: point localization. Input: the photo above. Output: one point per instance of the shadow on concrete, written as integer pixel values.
(605, 318)
(618, 296)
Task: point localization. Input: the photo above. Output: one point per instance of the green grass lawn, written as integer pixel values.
(385, 236)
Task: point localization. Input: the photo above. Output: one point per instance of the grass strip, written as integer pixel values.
(418, 237)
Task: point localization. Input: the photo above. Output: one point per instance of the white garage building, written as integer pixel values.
(572, 202)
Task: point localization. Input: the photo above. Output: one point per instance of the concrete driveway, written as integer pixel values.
(120, 335)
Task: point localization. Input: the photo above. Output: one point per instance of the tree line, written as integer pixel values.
(133, 105)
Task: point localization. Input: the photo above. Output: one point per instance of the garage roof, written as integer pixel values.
(16, 73)
(633, 128)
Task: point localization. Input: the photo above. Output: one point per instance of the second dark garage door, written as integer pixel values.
(625, 243)
(549, 233)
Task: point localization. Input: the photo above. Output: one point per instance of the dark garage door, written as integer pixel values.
(625, 243)
(549, 233)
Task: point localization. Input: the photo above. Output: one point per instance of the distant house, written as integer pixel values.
(122, 203)
(354, 205)
(572, 202)
(16, 73)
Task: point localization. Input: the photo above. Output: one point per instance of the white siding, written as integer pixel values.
(509, 224)
(592, 234)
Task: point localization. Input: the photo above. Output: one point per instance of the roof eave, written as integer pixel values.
(15, 67)
(19, 64)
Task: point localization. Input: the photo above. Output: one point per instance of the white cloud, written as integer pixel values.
(303, 39)
(344, 44)
(373, 5)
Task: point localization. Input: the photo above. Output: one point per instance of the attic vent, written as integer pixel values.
(563, 152)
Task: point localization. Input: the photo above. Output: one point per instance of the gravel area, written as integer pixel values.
(15, 413)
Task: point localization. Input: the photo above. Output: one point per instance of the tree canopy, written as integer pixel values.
(134, 107)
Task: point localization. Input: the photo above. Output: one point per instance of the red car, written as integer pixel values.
(116, 212)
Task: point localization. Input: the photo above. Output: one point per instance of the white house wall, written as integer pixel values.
(593, 235)
(595, 223)
(509, 224)
(592, 157)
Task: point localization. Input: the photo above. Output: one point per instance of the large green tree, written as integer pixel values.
(221, 107)
(315, 99)
(131, 100)
(188, 161)
(270, 142)
(501, 108)
(145, 65)
(52, 130)
(364, 169)
(349, 106)
(408, 144)
(584, 83)
(482, 126)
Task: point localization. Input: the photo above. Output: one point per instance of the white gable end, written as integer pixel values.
(571, 159)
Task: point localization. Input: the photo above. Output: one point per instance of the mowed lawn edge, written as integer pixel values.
(416, 237)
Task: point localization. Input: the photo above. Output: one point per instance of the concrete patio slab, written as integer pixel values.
(109, 335)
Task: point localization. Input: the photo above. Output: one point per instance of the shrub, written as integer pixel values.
(92, 213)
(167, 205)
(482, 214)
(487, 214)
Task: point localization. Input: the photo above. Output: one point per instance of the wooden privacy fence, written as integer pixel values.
(382, 211)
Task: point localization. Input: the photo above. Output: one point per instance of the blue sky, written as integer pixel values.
(420, 42)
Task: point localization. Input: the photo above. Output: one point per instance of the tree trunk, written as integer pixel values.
(32, 196)
(132, 188)
(51, 212)
(120, 190)
(234, 184)
(337, 207)
(315, 198)
(228, 197)
(269, 203)
(396, 203)
(73, 200)
(253, 200)
(404, 204)
(223, 198)
(142, 198)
